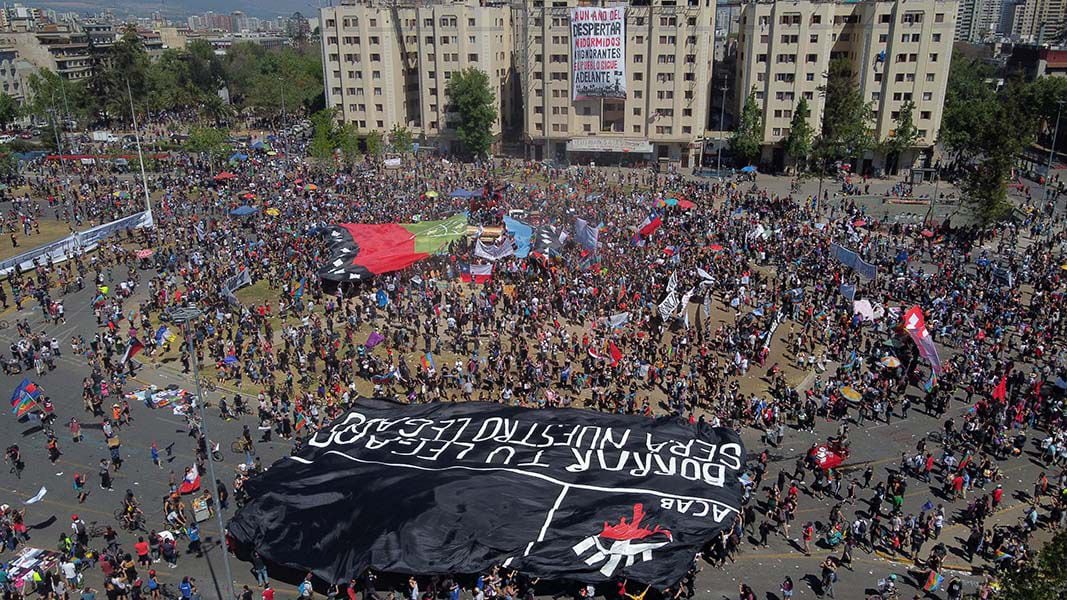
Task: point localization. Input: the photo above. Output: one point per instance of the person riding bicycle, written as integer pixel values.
(239, 404)
(131, 511)
(246, 436)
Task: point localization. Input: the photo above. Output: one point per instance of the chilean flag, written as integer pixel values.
(475, 273)
(132, 349)
(649, 226)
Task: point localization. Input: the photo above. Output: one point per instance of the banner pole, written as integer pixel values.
(140, 155)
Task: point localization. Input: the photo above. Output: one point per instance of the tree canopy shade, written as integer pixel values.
(271, 81)
(846, 119)
(985, 129)
(1045, 578)
(748, 138)
(471, 96)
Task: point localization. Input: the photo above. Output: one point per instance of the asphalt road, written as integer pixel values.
(876, 443)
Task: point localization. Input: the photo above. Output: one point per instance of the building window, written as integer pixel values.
(639, 58)
(886, 18)
(637, 111)
(928, 96)
(472, 58)
(816, 19)
(814, 38)
(924, 114)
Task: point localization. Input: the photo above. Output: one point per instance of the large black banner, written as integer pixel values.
(457, 488)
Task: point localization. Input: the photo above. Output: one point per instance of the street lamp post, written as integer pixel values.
(1052, 150)
(722, 124)
(184, 317)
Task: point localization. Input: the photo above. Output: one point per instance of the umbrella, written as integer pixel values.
(433, 194)
(271, 153)
(891, 362)
(124, 195)
(686, 204)
(244, 211)
(248, 196)
(225, 176)
(274, 212)
(859, 223)
(749, 169)
(851, 393)
(715, 247)
(145, 252)
(1064, 266)
(671, 202)
(238, 157)
(311, 187)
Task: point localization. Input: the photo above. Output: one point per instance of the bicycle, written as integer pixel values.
(134, 523)
(240, 446)
(4, 324)
(94, 530)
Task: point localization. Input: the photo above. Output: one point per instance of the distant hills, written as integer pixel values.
(182, 8)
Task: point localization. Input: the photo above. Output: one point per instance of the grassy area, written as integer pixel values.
(257, 293)
(51, 230)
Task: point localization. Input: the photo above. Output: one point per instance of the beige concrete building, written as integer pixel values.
(668, 58)
(1039, 21)
(53, 47)
(389, 64)
(899, 49)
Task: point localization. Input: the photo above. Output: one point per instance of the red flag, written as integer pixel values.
(1000, 393)
(616, 354)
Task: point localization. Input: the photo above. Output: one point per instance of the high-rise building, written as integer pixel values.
(899, 51)
(388, 64)
(1039, 21)
(663, 69)
(977, 20)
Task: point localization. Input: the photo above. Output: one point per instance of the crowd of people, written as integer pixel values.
(774, 335)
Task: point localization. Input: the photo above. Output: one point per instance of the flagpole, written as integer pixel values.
(140, 155)
(182, 317)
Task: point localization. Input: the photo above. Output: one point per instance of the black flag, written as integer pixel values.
(458, 488)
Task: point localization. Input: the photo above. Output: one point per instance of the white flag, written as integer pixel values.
(37, 497)
(706, 278)
(672, 283)
(494, 252)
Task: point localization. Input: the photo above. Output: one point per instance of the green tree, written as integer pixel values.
(271, 81)
(125, 67)
(346, 139)
(471, 96)
(846, 118)
(905, 135)
(400, 138)
(323, 138)
(9, 110)
(798, 143)
(375, 144)
(747, 140)
(51, 94)
(210, 141)
(969, 104)
(1043, 579)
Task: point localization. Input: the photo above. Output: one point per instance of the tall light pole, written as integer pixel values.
(140, 155)
(722, 125)
(1052, 150)
(184, 317)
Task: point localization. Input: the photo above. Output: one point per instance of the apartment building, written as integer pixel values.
(899, 50)
(666, 60)
(978, 20)
(390, 64)
(55, 47)
(1039, 21)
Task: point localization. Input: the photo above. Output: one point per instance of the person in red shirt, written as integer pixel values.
(998, 495)
(142, 549)
(268, 593)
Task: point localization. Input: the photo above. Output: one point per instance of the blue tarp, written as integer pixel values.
(244, 211)
(462, 193)
(522, 233)
(237, 156)
(749, 169)
(258, 146)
